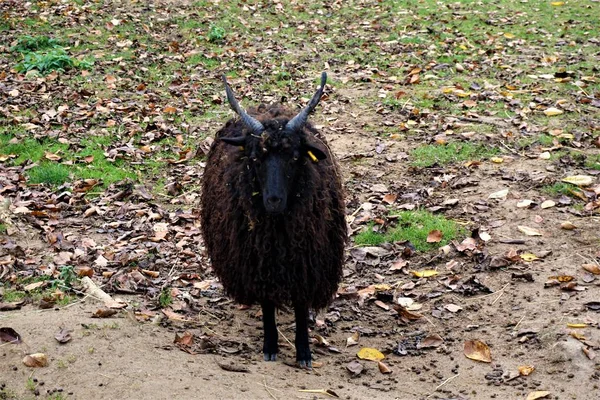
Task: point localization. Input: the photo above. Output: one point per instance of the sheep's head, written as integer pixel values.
(276, 149)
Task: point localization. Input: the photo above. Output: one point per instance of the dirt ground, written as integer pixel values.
(522, 322)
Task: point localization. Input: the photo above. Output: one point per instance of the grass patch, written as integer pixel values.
(3, 229)
(46, 61)
(593, 161)
(12, 295)
(29, 44)
(428, 155)
(53, 172)
(49, 173)
(561, 188)
(216, 33)
(413, 226)
(165, 299)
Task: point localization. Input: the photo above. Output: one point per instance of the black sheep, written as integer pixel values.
(273, 215)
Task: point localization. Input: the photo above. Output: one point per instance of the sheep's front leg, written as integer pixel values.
(303, 355)
(270, 331)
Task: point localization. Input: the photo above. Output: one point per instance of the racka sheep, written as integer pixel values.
(273, 215)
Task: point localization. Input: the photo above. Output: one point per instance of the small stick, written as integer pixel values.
(519, 323)
(286, 339)
(267, 388)
(442, 384)
(500, 295)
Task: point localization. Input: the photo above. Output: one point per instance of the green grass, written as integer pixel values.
(28, 44)
(216, 33)
(165, 299)
(49, 173)
(428, 155)
(561, 188)
(46, 61)
(3, 229)
(593, 161)
(54, 172)
(413, 226)
(12, 295)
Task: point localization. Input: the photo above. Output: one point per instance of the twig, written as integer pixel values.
(510, 149)
(286, 339)
(267, 388)
(500, 295)
(486, 295)
(442, 384)
(519, 323)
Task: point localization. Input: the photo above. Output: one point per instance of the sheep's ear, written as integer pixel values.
(315, 151)
(235, 141)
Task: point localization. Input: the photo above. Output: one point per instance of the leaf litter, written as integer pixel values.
(129, 239)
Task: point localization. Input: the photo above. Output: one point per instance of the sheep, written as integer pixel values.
(273, 215)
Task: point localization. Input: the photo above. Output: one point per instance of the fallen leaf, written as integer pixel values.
(355, 367)
(434, 236)
(383, 368)
(426, 273)
(579, 180)
(524, 203)
(589, 352)
(353, 340)
(547, 204)
(529, 231)
(9, 335)
(390, 198)
(381, 304)
(552, 111)
(593, 268)
(501, 194)
(233, 367)
(526, 370)
(405, 314)
(104, 313)
(567, 225)
(326, 392)
(453, 308)
(577, 326)
(187, 339)
(478, 351)
(538, 394)
(529, 257)
(36, 360)
(430, 341)
(497, 160)
(368, 353)
(85, 271)
(63, 336)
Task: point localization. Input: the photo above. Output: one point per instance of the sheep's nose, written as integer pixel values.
(274, 200)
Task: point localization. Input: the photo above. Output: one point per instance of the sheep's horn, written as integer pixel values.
(299, 120)
(252, 123)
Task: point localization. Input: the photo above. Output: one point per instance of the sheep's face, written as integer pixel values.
(276, 157)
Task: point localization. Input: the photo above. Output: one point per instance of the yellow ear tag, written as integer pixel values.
(312, 156)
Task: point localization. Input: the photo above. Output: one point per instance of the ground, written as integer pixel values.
(468, 137)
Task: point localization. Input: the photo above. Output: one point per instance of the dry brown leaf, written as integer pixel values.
(592, 268)
(579, 180)
(383, 368)
(529, 231)
(478, 351)
(36, 360)
(187, 339)
(430, 341)
(353, 340)
(547, 204)
(567, 225)
(390, 198)
(538, 394)
(501, 194)
(434, 236)
(526, 370)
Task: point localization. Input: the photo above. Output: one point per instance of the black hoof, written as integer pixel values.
(305, 364)
(270, 356)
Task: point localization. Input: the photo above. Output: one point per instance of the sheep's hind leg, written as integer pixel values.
(303, 356)
(270, 347)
